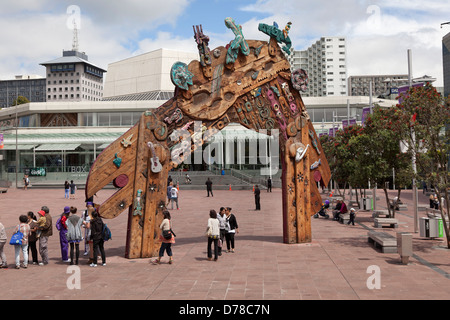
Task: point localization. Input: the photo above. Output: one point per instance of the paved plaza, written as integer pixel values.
(336, 265)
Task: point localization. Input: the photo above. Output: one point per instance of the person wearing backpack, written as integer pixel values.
(74, 234)
(24, 228)
(97, 237)
(62, 228)
(174, 197)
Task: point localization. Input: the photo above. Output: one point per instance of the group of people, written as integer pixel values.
(36, 229)
(341, 208)
(69, 189)
(221, 227)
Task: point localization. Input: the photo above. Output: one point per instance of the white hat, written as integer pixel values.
(352, 209)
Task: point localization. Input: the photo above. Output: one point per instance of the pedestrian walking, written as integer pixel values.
(208, 184)
(46, 232)
(231, 227)
(25, 229)
(66, 189)
(73, 188)
(166, 242)
(97, 238)
(257, 193)
(32, 239)
(213, 233)
(222, 221)
(62, 228)
(352, 216)
(174, 197)
(3, 239)
(74, 235)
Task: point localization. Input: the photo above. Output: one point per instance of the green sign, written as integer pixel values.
(38, 172)
(441, 228)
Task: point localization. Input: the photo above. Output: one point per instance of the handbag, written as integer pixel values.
(167, 234)
(16, 238)
(208, 232)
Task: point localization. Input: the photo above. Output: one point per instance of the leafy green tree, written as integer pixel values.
(427, 116)
(20, 100)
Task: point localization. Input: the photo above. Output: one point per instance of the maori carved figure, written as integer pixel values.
(255, 90)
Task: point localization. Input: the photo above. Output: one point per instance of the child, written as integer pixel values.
(41, 222)
(352, 216)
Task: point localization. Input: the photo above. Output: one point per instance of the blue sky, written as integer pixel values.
(378, 32)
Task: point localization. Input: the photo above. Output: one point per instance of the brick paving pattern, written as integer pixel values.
(333, 266)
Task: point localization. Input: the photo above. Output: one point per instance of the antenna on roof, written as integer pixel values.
(75, 37)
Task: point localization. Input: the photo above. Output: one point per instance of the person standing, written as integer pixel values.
(97, 238)
(222, 220)
(166, 244)
(209, 187)
(46, 232)
(88, 244)
(257, 198)
(32, 239)
(213, 232)
(66, 189)
(232, 228)
(73, 188)
(169, 196)
(174, 197)
(74, 234)
(269, 185)
(62, 228)
(3, 239)
(26, 182)
(25, 229)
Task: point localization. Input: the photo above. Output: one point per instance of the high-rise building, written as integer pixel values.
(73, 78)
(31, 87)
(446, 63)
(326, 65)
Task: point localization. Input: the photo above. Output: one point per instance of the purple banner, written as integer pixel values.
(365, 113)
(346, 124)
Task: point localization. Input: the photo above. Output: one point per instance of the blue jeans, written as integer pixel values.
(17, 249)
(66, 193)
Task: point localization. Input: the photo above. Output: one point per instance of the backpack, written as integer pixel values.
(173, 192)
(106, 233)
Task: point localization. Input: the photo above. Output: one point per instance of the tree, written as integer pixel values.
(20, 100)
(427, 136)
(381, 152)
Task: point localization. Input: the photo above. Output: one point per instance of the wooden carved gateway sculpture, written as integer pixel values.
(248, 82)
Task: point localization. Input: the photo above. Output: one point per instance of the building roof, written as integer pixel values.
(70, 59)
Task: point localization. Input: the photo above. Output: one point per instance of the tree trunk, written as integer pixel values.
(388, 204)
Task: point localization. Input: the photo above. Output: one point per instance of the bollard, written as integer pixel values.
(404, 246)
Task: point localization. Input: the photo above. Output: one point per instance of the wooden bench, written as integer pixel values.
(382, 240)
(344, 218)
(380, 214)
(3, 190)
(380, 222)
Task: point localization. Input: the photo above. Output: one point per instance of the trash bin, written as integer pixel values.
(431, 227)
(404, 246)
(366, 204)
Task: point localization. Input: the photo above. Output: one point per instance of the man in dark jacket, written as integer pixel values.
(257, 198)
(209, 187)
(47, 231)
(97, 238)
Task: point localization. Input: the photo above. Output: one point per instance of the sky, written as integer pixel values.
(378, 32)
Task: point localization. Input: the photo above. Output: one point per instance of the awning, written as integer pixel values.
(58, 147)
(103, 146)
(19, 147)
